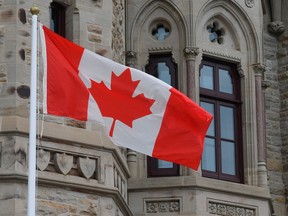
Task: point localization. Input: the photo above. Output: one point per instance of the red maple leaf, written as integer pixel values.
(118, 102)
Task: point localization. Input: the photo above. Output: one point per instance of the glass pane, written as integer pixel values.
(161, 33)
(225, 81)
(208, 157)
(206, 77)
(227, 122)
(228, 158)
(209, 107)
(164, 164)
(163, 72)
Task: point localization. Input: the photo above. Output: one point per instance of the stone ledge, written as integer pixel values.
(197, 182)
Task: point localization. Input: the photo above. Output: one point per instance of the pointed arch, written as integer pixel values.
(238, 23)
(145, 12)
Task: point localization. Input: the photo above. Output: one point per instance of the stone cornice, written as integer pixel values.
(218, 54)
(160, 49)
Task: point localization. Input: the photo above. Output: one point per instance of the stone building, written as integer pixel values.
(230, 56)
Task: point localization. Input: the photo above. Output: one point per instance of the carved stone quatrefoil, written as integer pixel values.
(63, 163)
(86, 166)
(43, 159)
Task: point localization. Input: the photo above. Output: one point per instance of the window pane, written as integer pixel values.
(208, 157)
(209, 107)
(164, 164)
(206, 77)
(227, 122)
(225, 81)
(163, 72)
(228, 157)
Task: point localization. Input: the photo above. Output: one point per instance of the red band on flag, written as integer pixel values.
(66, 93)
(182, 133)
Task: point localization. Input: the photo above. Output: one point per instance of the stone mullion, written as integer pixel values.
(131, 154)
(261, 169)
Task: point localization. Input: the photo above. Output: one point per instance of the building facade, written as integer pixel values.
(231, 57)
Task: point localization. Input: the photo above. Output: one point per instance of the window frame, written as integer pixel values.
(151, 68)
(58, 17)
(229, 100)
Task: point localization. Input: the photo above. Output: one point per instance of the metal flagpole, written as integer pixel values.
(32, 129)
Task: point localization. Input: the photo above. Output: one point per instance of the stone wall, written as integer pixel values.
(276, 60)
(283, 87)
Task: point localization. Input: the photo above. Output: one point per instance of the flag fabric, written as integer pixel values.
(138, 111)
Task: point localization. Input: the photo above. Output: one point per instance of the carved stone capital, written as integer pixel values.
(276, 27)
(191, 52)
(130, 58)
(249, 3)
(240, 71)
(259, 68)
(265, 84)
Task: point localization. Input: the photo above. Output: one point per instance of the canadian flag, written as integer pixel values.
(138, 111)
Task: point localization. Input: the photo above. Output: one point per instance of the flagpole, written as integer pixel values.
(32, 127)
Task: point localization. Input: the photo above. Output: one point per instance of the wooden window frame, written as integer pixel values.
(151, 68)
(223, 99)
(58, 16)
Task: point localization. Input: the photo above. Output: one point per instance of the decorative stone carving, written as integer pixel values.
(3, 72)
(191, 52)
(63, 163)
(86, 166)
(276, 27)
(240, 71)
(160, 49)
(2, 34)
(249, 3)
(43, 159)
(118, 45)
(0, 153)
(225, 55)
(160, 206)
(131, 58)
(259, 68)
(224, 209)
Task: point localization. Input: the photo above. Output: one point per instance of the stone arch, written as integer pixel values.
(237, 22)
(147, 13)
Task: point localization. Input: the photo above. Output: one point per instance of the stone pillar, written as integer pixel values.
(131, 155)
(259, 69)
(276, 26)
(190, 54)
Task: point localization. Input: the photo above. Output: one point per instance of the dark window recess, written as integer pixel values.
(57, 18)
(163, 67)
(220, 95)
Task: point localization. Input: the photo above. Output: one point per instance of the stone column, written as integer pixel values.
(131, 155)
(190, 54)
(276, 26)
(259, 69)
